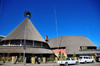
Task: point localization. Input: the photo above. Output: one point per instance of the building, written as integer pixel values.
(12, 44)
(1, 37)
(80, 45)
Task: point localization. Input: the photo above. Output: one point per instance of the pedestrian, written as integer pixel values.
(36, 59)
(39, 60)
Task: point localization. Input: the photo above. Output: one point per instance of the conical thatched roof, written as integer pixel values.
(19, 31)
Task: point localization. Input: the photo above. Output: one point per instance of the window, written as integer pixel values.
(45, 45)
(37, 43)
(89, 58)
(7, 42)
(86, 57)
(80, 57)
(83, 48)
(29, 43)
(17, 42)
(88, 47)
(72, 59)
(68, 59)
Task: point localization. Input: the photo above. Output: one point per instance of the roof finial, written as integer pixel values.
(27, 14)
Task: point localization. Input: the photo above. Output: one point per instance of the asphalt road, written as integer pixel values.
(88, 64)
(48, 64)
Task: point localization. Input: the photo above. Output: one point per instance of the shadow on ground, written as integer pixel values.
(1, 64)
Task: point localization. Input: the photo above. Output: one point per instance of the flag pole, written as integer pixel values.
(24, 47)
(27, 14)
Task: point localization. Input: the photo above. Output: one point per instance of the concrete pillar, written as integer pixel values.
(75, 58)
(65, 55)
(92, 57)
(7, 56)
(33, 60)
(44, 59)
(13, 59)
(57, 54)
(9, 42)
(56, 59)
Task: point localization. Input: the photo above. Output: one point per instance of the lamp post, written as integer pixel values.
(27, 14)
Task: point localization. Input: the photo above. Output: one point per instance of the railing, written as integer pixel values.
(22, 47)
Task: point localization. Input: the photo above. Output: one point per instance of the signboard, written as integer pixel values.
(95, 54)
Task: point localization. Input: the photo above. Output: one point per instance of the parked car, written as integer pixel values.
(68, 61)
(85, 59)
(98, 58)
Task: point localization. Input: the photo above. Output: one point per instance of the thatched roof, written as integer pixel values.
(28, 50)
(1, 37)
(19, 31)
(72, 43)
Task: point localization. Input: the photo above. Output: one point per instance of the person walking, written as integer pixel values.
(39, 60)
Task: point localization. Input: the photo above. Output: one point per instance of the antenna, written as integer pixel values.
(56, 25)
(27, 14)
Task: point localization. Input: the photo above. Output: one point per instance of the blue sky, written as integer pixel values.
(74, 17)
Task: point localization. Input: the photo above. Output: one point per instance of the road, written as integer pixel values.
(88, 64)
(47, 64)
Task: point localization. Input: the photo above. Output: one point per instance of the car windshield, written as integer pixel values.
(80, 57)
(72, 59)
(68, 59)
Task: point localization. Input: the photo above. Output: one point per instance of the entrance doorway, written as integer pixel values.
(28, 58)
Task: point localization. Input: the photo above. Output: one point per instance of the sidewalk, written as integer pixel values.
(28, 64)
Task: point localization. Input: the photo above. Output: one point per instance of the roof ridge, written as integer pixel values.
(68, 35)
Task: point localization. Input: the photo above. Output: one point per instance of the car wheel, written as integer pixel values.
(92, 61)
(66, 64)
(85, 62)
(77, 63)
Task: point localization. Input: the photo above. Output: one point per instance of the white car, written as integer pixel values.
(85, 59)
(68, 61)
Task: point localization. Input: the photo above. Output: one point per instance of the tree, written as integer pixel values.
(52, 57)
(61, 56)
(74, 55)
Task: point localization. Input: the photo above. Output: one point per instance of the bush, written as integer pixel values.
(8, 59)
(74, 55)
(52, 57)
(20, 59)
(48, 59)
(3, 59)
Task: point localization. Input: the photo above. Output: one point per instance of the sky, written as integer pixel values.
(74, 17)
